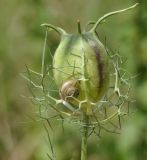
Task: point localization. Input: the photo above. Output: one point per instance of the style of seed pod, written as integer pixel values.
(82, 57)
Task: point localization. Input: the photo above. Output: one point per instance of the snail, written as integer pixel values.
(69, 89)
(82, 56)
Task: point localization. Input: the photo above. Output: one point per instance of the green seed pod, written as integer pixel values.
(68, 64)
(80, 64)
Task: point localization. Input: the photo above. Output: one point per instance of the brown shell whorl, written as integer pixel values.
(69, 89)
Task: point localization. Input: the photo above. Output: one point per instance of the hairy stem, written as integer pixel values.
(84, 137)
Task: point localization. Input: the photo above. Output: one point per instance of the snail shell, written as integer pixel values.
(69, 89)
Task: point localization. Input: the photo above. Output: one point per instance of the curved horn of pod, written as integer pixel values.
(57, 29)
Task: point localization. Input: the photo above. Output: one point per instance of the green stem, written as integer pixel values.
(84, 137)
(43, 55)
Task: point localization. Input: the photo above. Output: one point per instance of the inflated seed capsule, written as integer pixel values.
(68, 57)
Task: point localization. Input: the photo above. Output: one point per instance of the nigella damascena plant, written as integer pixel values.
(84, 81)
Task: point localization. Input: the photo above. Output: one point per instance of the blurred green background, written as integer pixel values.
(22, 137)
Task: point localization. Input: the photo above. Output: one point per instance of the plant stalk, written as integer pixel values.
(84, 137)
